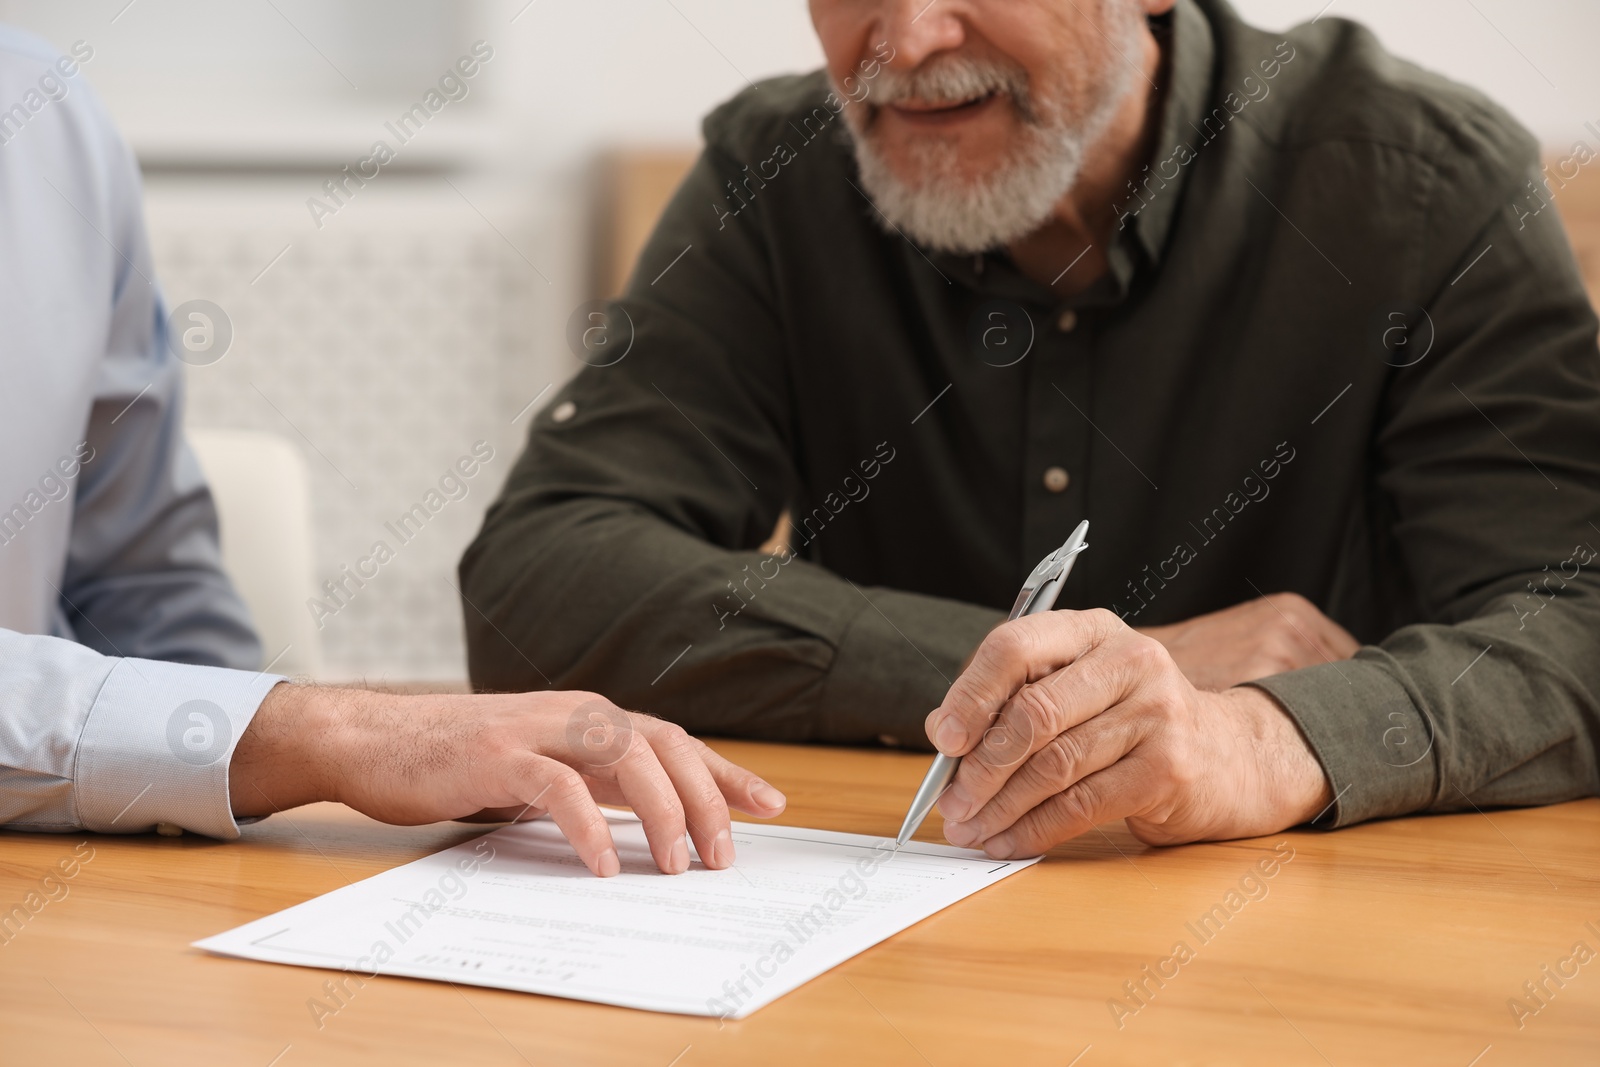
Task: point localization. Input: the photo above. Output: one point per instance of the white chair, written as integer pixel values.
(264, 509)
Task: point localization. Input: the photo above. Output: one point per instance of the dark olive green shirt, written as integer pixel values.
(1338, 352)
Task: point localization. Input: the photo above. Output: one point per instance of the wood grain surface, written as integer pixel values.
(1396, 942)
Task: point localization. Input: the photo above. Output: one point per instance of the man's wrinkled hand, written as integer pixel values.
(1069, 719)
(1256, 639)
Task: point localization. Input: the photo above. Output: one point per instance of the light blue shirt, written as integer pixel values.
(117, 624)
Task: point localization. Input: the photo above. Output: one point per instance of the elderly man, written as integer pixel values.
(1270, 310)
(129, 697)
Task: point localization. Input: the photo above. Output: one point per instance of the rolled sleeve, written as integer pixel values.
(157, 744)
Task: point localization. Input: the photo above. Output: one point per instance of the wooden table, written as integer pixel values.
(1397, 942)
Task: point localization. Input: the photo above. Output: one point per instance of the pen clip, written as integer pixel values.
(1048, 577)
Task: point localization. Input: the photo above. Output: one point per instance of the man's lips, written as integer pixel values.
(930, 112)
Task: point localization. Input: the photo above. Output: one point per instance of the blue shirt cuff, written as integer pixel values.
(157, 745)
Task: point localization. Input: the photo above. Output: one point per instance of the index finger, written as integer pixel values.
(1014, 654)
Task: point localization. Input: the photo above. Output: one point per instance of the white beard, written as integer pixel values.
(944, 212)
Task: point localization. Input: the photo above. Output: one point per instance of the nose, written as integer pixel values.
(917, 29)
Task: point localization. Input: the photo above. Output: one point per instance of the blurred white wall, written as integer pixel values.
(576, 74)
(430, 310)
(1535, 57)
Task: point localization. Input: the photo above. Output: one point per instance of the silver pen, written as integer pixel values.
(1038, 594)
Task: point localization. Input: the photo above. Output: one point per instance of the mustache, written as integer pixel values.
(955, 79)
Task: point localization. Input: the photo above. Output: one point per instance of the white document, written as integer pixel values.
(516, 909)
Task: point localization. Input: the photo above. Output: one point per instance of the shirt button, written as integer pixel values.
(564, 411)
(1068, 321)
(1056, 479)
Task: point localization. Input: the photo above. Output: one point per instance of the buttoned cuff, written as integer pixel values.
(1379, 751)
(157, 744)
(893, 663)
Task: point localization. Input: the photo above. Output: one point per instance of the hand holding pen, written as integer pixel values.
(1068, 719)
(1038, 594)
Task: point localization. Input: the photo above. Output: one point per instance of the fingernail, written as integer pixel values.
(678, 860)
(722, 849)
(955, 804)
(610, 866)
(766, 796)
(950, 737)
(960, 834)
(999, 846)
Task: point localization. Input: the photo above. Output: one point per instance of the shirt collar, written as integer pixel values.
(1193, 52)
